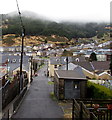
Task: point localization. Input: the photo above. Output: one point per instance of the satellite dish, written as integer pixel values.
(66, 59)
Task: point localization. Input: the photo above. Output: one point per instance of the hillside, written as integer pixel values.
(38, 25)
(14, 40)
(40, 30)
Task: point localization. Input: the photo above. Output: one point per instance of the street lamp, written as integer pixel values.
(30, 69)
(31, 77)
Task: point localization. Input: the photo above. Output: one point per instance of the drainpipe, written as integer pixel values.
(67, 63)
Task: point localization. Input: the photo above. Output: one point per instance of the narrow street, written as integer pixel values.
(37, 102)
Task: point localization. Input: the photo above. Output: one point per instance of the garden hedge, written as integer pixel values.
(97, 91)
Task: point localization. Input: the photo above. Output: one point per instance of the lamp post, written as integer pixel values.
(31, 68)
(30, 76)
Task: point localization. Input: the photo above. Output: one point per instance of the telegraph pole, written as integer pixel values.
(22, 47)
(21, 62)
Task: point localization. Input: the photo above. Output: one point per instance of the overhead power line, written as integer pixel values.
(22, 26)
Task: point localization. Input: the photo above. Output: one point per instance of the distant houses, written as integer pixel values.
(101, 54)
(16, 49)
(92, 70)
(55, 63)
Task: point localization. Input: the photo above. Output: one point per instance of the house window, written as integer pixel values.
(76, 85)
(55, 66)
(14, 60)
(59, 67)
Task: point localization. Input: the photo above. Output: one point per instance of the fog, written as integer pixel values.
(62, 10)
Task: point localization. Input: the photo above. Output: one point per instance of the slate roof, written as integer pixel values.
(71, 66)
(14, 65)
(85, 64)
(71, 74)
(80, 58)
(100, 66)
(59, 60)
(12, 57)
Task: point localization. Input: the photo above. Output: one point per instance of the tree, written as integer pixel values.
(93, 57)
(45, 41)
(48, 28)
(67, 53)
(100, 35)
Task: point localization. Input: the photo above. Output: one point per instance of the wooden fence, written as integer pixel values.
(89, 109)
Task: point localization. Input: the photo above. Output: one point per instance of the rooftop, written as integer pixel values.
(100, 66)
(71, 74)
(60, 60)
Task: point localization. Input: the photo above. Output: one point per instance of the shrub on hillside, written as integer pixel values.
(9, 40)
(97, 91)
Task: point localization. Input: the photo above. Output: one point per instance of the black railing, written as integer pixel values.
(10, 91)
(18, 100)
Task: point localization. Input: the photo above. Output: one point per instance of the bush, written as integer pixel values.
(97, 91)
(9, 40)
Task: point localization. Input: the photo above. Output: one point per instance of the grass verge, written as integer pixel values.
(52, 96)
(50, 83)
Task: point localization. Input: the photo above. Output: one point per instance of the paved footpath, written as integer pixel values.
(37, 102)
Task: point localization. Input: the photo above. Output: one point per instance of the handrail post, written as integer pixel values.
(110, 114)
(73, 109)
(81, 111)
(91, 116)
(107, 114)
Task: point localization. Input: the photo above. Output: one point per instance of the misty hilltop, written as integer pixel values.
(27, 14)
(36, 25)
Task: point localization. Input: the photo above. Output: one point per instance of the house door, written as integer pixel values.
(72, 89)
(76, 89)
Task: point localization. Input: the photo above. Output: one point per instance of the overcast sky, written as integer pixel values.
(74, 10)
